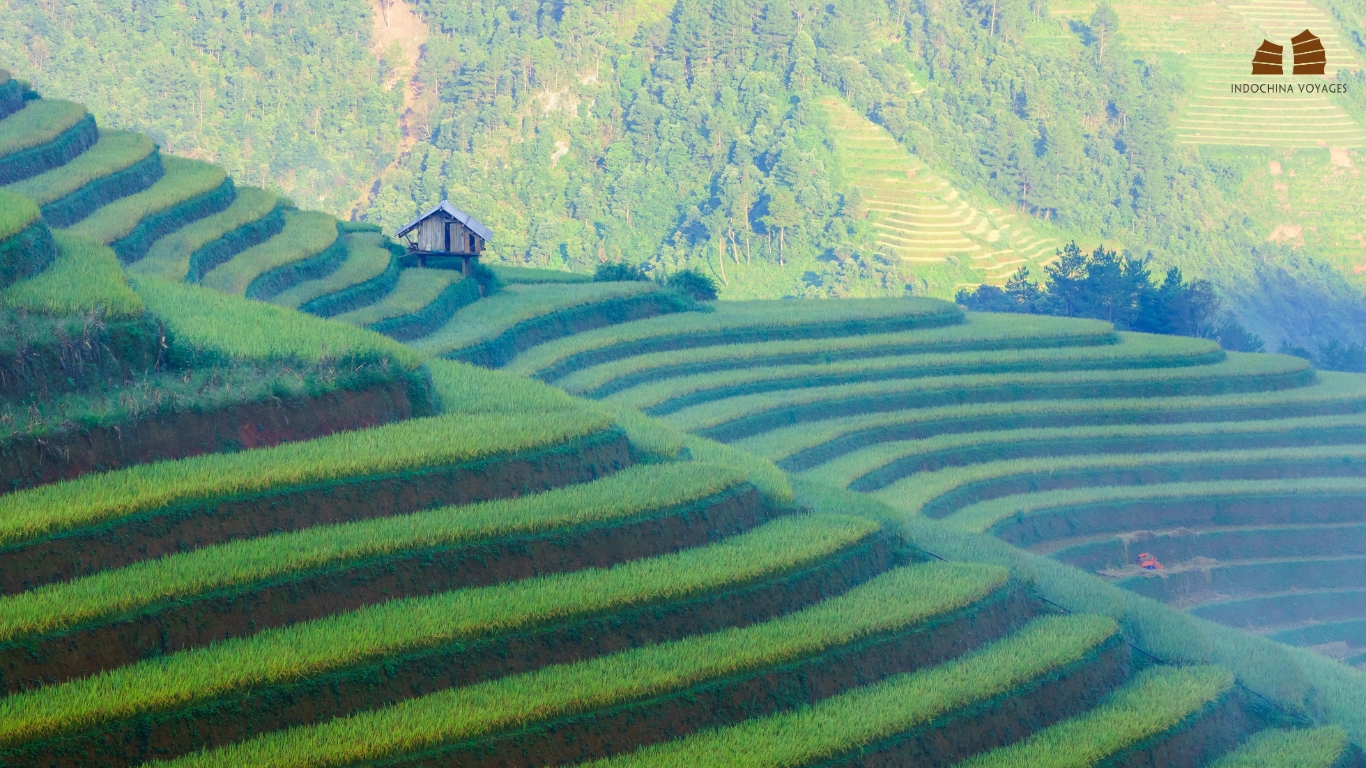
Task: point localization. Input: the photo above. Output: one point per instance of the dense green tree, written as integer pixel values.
(284, 93)
(1119, 289)
(694, 283)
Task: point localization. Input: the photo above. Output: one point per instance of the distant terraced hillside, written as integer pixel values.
(923, 220)
(1299, 154)
(1216, 40)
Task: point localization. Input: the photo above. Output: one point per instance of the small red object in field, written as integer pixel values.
(1147, 562)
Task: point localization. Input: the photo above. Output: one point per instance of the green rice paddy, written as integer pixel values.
(515, 304)
(924, 406)
(416, 289)
(1332, 393)
(1137, 351)
(271, 559)
(304, 235)
(405, 446)
(366, 257)
(1239, 373)
(16, 213)
(981, 516)
(902, 598)
(169, 257)
(731, 322)
(1157, 700)
(844, 723)
(37, 123)
(233, 327)
(978, 332)
(85, 277)
(1307, 748)
(281, 656)
(115, 151)
(184, 180)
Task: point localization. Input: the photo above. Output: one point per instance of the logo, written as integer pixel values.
(1310, 58)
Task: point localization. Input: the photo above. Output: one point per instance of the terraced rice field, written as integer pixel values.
(976, 438)
(1216, 40)
(922, 219)
(505, 582)
(241, 535)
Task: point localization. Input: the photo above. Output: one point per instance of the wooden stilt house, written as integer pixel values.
(445, 237)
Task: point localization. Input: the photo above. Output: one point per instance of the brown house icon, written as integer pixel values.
(1310, 57)
(1267, 59)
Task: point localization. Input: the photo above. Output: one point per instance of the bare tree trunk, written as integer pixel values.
(721, 259)
(993, 18)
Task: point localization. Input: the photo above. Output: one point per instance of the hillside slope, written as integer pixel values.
(234, 533)
(511, 575)
(183, 220)
(692, 134)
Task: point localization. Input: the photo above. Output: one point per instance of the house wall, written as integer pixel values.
(432, 236)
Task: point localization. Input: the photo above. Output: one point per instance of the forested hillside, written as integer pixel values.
(286, 94)
(698, 133)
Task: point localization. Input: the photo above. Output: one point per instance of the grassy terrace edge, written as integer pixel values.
(903, 598)
(280, 656)
(979, 332)
(746, 415)
(632, 491)
(439, 440)
(864, 716)
(1136, 352)
(730, 323)
(810, 443)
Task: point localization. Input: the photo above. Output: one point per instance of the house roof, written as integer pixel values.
(455, 213)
